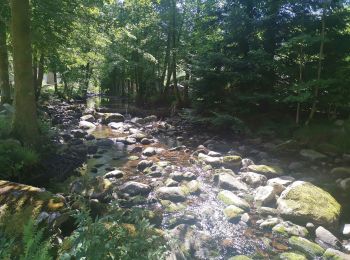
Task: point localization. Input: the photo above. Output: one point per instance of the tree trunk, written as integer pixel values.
(319, 68)
(4, 66)
(177, 94)
(55, 80)
(39, 80)
(297, 116)
(25, 124)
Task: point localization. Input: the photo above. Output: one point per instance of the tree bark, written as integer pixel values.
(4, 66)
(55, 81)
(39, 80)
(25, 124)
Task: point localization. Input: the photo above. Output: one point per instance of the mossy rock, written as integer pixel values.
(172, 207)
(229, 198)
(232, 212)
(304, 202)
(332, 254)
(232, 161)
(269, 171)
(291, 256)
(341, 171)
(309, 248)
(240, 257)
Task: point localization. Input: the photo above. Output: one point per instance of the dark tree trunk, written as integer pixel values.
(25, 124)
(55, 81)
(4, 66)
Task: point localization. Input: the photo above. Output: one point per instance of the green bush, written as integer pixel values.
(111, 238)
(14, 158)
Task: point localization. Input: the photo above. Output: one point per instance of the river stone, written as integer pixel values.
(85, 125)
(134, 188)
(171, 183)
(179, 176)
(264, 195)
(266, 211)
(142, 165)
(307, 247)
(171, 206)
(88, 118)
(232, 212)
(291, 256)
(304, 202)
(146, 141)
(268, 171)
(227, 181)
(232, 161)
(229, 198)
(288, 228)
(341, 171)
(192, 187)
(280, 183)
(149, 119)
(269, 223)
(327, 237)
(130, 141)
(104, 142)
(149, 151)
(117, 126)
(253, 179)
(332, 254)
(174, 194)
(312, 154)
(214, 154)
(240, 257)
(112, 117)
(346, 230)
(114, 174)
(214, 161)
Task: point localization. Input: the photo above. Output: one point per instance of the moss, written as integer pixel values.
(313, 203)
(240, 257)
(341, 171)
(309, 248)
(232, 212)
(172, 207)
(264, 169)
(232, 160)
(280, 229)
(291, 256)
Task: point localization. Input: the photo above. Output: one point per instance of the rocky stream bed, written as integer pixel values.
(214, 197)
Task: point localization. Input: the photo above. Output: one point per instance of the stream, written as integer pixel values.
(178, 173)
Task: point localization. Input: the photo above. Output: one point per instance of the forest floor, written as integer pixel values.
(214, 196)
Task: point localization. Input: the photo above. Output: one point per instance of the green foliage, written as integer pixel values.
(5, 127)
(32, 244)
(118, 235)
(14, 158)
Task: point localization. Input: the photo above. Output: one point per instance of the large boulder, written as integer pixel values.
(304, 202)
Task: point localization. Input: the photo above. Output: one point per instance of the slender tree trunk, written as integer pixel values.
(319, 69)
(39, 80)
(25, 124)
(297, 117)
(55, 81)
(174, 50)
(4, 66)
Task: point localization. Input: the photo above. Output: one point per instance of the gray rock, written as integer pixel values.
(112, 117)
(227, 181)
(229, 198)
(179, 176)
(149, 151)
(117, 125)
(267, 211)
(327, 237)
(85, 125)
(288, 228)
(174, 194)
(280, 183)
(332, 254)
(254, 179)
(135, 188)
(312, 154)
(269, 223)
(346, 230)
(146, 141)
(214, 161)
(104, 142)
(114, 174)
(264, 195)
(88, 118)
(171, 183)
(142, 165)
(149, 119)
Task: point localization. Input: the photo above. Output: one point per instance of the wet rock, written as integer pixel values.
(268, 171)
(264, 195)
(341, 171)
(266, 211)
(233, 213)
(135, 188)
(149, 151)
(246, 162)
(312, 155)
(117, 126)
(307, 247)
(187, 219)
(154, 171)
(214, 161)
(171, 183)
(269, 223)
(232, 161)
(229, 198)
(129, 141)
(137, 120)
(304, 202)
(112, 117)
(105, 142)
(142, 165)
(88, 118)
(136, 149)
(138, 136)
(326, 237)
(332, 254)
(116, 174)
(291, 256)
(192, 187)
(240, 257)
(214, 154)
(174, 194)
(287, 228)
(85, 125)
(254, 179)
(78, 133)
(149, 119)
(346, 230)
(280, 183)
(172, 207)
(146, 141)
(227, 181)
(179, 176)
